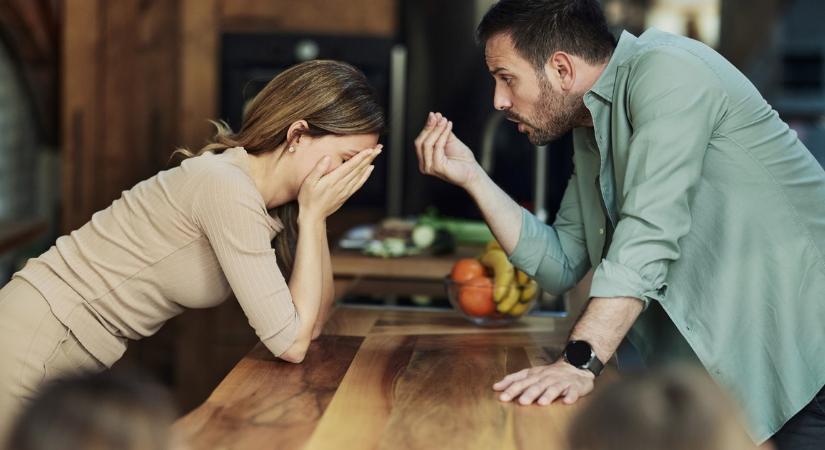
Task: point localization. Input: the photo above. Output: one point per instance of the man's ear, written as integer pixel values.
(562, 69)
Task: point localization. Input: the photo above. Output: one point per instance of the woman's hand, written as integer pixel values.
(323, 193)
(443, 155)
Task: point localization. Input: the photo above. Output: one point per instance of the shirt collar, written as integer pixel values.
(624, 49)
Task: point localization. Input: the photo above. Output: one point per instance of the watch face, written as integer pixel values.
(578, 353)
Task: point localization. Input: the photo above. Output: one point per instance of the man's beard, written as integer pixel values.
(556, 114)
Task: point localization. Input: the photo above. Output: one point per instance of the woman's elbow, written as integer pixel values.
(294, 357)
(296, 352)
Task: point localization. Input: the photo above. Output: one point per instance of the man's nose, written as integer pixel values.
(501, 101)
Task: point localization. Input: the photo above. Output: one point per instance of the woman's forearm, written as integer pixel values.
(328, 288)
(306, 285)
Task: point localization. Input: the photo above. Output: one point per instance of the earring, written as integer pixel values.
(291, 149)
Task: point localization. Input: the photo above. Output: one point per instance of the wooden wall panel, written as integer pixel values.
(198, 70)
(81, 75)
(157, 82)
(365, 17)
(118, 159)
(119, 110)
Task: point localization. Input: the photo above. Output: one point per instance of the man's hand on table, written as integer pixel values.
(544, 384)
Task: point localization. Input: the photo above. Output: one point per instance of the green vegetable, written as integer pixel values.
(423, 235)
(395, 246)
(375, 248)
(463, 230)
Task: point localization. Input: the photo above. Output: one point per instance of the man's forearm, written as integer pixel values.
(502, 213)
(605, 322)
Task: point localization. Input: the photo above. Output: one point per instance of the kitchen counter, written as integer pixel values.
(390, 379)
(358, 274)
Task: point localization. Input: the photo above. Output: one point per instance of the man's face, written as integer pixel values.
(528, 97)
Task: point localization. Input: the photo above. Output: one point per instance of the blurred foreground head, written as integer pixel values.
(679, 408)
(102, 411)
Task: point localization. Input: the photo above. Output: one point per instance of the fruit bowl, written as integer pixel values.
(474, 300)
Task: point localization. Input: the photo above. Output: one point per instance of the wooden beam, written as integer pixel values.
(116, 153)
(198, 70)
(80, 108)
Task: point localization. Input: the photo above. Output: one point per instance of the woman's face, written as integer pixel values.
(310, 150)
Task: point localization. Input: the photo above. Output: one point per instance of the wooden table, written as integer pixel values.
(210, 342)
(387, 379)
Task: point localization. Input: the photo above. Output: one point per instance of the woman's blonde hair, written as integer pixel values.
(676, 408)
(331, 96)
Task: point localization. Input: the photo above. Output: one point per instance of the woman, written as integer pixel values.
(190, 236)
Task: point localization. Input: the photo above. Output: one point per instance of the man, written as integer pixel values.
(701, 213)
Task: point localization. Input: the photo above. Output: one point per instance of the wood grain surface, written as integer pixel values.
(387, 379)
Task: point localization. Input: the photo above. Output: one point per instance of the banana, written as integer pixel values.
(510, 300)
(503, 272)
(529, 291)
(522, 278)
(519, 309)
(493, 245)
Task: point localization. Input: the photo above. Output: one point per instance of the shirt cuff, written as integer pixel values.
(531, 246)
(612, 279)
(280, 342)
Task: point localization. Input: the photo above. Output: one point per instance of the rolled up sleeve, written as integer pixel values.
(555, 256)
(281, 340)
(674, 103)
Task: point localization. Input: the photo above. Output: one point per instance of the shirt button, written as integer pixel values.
(601, 230)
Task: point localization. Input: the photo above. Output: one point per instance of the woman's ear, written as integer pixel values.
(295, 131)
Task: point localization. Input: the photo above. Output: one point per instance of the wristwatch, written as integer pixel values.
(580, 354)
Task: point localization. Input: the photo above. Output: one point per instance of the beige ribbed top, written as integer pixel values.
(186, 238)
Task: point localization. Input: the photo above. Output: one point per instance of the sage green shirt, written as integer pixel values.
(691, 194)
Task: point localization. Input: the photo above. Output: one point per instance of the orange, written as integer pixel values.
(466, 269)
(476, 297)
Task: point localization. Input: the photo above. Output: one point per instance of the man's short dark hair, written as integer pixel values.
(540, 28)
